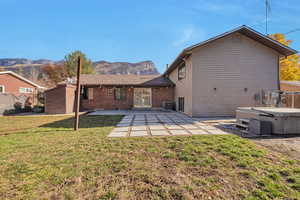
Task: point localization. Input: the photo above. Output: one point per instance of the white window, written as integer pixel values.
(2, 89)
(120, 94)
(25, 90)
(181, 71)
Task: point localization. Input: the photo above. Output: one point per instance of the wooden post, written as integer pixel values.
(77, 101)
(293, 99)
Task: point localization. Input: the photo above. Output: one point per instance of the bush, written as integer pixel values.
(18, 107)
(27, 109)
(9, 112)
(38, 109)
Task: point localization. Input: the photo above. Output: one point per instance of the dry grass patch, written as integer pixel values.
(51, 161)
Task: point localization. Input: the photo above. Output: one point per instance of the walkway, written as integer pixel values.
(158, 123)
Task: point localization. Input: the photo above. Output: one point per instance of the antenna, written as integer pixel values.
(268, 10)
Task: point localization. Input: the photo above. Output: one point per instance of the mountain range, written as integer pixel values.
(33, 69)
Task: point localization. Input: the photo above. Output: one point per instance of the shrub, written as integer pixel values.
(38, 109)
(9, 112)
(18, 107)
(27, 109)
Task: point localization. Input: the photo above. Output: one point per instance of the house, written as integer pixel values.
(290, 86)
(14, 84)
(292, 97)
(218, 75)
(211, 78)
(112, 92)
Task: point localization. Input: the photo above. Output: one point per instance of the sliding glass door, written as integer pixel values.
(142, 97)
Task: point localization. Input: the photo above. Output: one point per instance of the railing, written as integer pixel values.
(291, 99)
(276, 98)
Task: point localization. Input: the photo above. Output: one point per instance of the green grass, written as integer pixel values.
(47, 160)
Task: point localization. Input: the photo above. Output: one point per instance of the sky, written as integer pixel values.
(131, 30)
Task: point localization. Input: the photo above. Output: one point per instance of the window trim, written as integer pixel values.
(181, 66)
(3, 89)
(26, 92)
(123, 95)
(90, 93)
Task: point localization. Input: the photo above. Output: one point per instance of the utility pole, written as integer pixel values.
(77, 100)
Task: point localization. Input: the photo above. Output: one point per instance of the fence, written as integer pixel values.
(276, 98)
(7, 101)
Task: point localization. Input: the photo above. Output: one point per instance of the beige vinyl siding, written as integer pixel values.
(183, 87)
(230, 65)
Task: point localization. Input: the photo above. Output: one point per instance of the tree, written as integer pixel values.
(70, 64)
(55, 72)
(290, 66)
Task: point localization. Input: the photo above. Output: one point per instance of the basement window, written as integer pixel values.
(2, 89)
(181, 71)
(25, 90)
(120, 94)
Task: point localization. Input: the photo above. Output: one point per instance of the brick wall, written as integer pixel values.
(12, 84)
(159, 95)
(60, 100)
(103, 98)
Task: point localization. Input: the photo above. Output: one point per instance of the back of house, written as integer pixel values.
(211, 78)
(216, 76)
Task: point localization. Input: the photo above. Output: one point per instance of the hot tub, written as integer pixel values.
(282, 120)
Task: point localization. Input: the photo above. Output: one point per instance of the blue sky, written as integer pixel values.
(131, 30)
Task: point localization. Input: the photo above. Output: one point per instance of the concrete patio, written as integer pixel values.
(160, 123)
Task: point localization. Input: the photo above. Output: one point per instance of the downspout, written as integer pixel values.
(278, 73)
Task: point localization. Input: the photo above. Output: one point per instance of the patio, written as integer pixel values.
(161, 123)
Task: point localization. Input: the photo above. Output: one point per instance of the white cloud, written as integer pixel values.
(188, 35)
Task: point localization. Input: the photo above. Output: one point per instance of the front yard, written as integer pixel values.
(42, 158)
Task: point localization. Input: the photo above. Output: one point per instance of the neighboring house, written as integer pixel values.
(14, 84)
(293, 98)
(211, 78)
(290, 86)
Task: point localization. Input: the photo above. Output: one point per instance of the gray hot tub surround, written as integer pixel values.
(269, 120)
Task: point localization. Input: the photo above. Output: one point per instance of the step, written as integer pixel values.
(242, 125)
(244, 131)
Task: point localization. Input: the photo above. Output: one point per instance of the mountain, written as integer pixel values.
(143, 68)
(32, 69)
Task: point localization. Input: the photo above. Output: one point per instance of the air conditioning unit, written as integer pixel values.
(169, 105)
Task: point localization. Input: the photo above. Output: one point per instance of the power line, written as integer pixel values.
(292, 31)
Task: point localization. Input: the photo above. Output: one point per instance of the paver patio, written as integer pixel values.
(139, 124)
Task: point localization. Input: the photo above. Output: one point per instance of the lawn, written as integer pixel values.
(47, 160)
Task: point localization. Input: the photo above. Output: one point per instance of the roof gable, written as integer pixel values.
(22, 78)
(245, 30)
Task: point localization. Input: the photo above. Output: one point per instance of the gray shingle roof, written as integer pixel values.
(127, 80)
